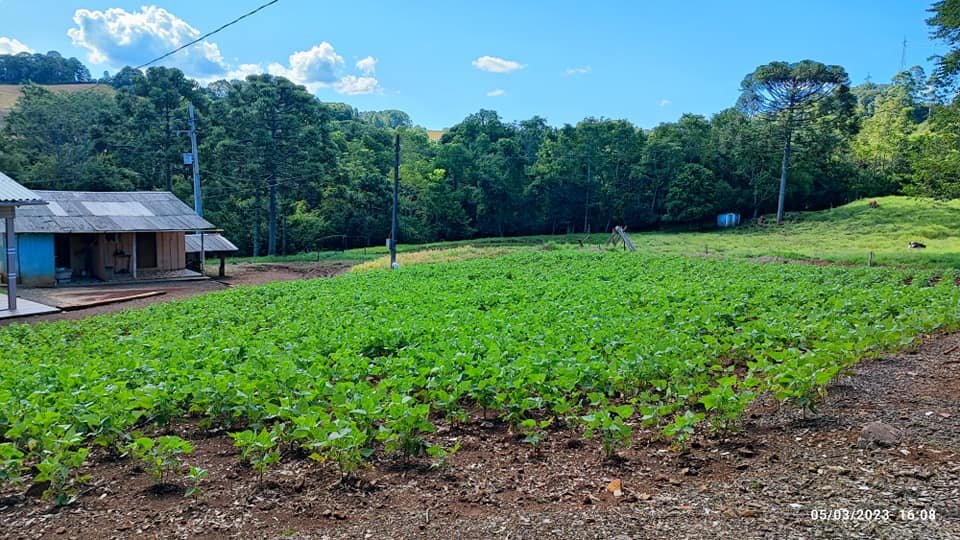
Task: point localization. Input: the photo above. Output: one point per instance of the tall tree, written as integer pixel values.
(280, 127)
(945, 24)
(60, 139)
(789, 92)
(168, 91)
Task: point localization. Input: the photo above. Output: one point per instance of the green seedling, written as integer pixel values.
(259, 449)
(161, 456)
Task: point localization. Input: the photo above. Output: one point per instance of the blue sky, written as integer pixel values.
(645, 61)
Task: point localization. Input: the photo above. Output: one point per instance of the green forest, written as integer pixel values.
(284, 172)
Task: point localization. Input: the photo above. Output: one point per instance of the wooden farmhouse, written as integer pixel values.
(104, 236)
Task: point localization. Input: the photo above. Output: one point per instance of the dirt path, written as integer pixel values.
(761, 483)
(237, 275)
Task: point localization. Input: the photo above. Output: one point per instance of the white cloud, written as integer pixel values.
(12, 46)
(576, 71)
(117, 38)
(367, 65)
(243, 71)
(665, 102)
(352, 85)
(496, 92)
(314, 68)
(321, 67)
(496, 65)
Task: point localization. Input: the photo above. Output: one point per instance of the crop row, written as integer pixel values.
(370, 361)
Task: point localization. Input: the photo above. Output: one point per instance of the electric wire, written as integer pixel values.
(208, 34)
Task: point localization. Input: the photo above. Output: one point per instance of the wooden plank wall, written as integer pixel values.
(171, 251)
(107, 263)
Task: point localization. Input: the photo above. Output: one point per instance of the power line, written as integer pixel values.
(208, 34)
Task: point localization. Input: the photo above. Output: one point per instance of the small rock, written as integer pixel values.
(878, 434)
(615, 487)
(62, 530)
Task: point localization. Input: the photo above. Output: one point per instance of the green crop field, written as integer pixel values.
(370, 362)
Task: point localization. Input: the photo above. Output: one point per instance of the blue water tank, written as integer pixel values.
(730, 219)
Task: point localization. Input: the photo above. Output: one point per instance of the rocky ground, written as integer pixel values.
(782, 476)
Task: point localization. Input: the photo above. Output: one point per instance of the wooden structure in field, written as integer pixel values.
(618, 235)
(105, 236)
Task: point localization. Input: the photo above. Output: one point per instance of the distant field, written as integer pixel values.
(10, 93)
(847, 234)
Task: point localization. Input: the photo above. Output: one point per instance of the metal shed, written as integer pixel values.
(211, 245)
(13, 195)
(104, 236)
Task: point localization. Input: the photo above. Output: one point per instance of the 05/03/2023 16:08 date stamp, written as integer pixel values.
(873, 514)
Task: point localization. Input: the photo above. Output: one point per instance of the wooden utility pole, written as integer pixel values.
(395, 221)
(586, 203)
(256, 221)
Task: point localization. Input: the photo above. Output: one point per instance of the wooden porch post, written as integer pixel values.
(133, 257)
(11, 244)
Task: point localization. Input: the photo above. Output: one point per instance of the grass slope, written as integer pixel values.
(845, 234)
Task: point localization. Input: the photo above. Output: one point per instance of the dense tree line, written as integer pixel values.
(50, 68)
(285, 172)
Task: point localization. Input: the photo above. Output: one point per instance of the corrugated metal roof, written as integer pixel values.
(113, 211)
(13, 194)
(212, 243)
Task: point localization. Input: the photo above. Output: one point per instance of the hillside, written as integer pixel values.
(845, 234)
(10, 93)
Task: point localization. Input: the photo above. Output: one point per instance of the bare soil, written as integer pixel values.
(236, 275)
(763, 482)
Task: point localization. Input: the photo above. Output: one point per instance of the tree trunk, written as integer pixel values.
(256, 222)
(783, 171)
(272, 217)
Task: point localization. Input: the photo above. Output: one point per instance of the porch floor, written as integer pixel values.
(25, 308)
(143, 276)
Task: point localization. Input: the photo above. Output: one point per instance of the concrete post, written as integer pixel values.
(11, 244)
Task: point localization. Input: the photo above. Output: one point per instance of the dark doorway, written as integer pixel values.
(61, 250)
(81, 254)
(146, 250)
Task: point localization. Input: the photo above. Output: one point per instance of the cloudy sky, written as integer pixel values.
(646, 61)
